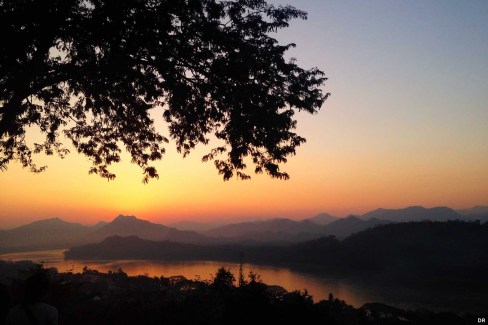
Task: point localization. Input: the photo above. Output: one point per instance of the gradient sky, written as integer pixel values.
(407, 124)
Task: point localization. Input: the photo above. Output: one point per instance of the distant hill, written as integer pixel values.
(44, 234)
(272, 230)
(323, 219)
(414, 213)
(132, 226)
(98, 225)
(194, 226)
(475, 213)
(437, 249)
(482, 217)
(56, 234)
(345, 227)
(290, 231)
(135, 248)
(478, 209)
(286, 230)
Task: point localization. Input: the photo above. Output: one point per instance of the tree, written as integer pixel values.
(223, 278)
(93, 70)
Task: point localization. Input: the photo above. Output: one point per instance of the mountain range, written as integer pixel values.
(414, 213)
(132, 226)
(43, 234)
(57, 234)
(412, 251)
(272, 230)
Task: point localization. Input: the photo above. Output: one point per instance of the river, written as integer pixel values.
(354, 292)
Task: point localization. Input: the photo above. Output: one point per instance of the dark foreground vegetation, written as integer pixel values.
(92, 297)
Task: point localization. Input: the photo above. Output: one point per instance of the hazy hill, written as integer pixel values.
(98, 225)
(269, 237)
(56, 233)
(414, 213)
(475, 213)
(132, 247)
(194, 226)
(478, 209)
(132, 226)
(482, 217)
(323, 219)
(344, 227)
(44, 234)
(268, 230)
(286, 230)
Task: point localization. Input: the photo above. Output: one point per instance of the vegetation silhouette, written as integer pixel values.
(91, 297)
(93, 69)
(33, 310)
(5, 302)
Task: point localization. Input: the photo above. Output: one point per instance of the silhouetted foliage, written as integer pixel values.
(223, 278)
(5, 302)
(37, 287)
(93, 70)
(92, 297)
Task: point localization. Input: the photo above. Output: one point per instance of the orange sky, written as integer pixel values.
(407, 124)
(326, 177)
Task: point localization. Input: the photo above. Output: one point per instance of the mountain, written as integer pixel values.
(272, 230)
(478, 212)
(98, 225)
(59, 234)
(323, 219)
(194, 226)
(134, 248)
(132, 226)
(286, 230)
(478, 209)
(290, 231)
(345, 227)
(44, 234)
(414, 213)
(434, 248)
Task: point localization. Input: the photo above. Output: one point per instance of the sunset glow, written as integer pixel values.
(406, 124)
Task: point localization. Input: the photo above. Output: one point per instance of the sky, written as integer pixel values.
(406, 124)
